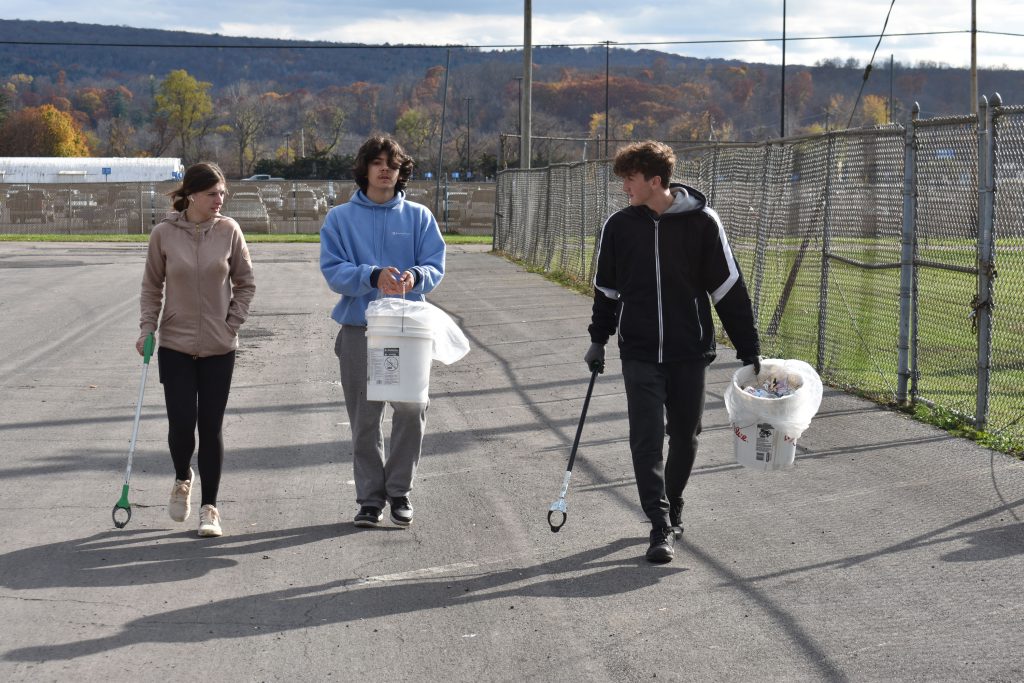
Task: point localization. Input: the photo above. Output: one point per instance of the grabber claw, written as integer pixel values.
(557, 515)
(124, 506)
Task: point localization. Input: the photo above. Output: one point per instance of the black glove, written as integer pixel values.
(753, 360)
(594, 357)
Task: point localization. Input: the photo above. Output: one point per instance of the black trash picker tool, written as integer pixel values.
(557, 512)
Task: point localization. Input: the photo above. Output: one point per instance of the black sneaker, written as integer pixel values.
(675, 516)
(661, 550)
(401, 511)
(368, 516)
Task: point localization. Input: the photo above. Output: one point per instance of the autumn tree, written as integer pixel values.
(324, 123)
(248, 116)
(42, 131)
(414, 129)
(365, 98)
(799, 91)
(118, 134)
(186, 107)
(875, 110)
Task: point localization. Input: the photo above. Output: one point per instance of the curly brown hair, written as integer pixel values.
(650, 157)
(397, 158)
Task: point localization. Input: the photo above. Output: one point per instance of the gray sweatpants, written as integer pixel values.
(377, 477)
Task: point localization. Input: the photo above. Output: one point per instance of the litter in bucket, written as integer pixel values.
(768, 421)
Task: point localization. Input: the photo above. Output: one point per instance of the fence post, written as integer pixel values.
(982, 304)
(584, 266)
(761, 236)
(826, 251)
(908, 251)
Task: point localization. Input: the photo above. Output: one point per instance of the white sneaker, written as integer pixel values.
(209, 521)
(181, 498)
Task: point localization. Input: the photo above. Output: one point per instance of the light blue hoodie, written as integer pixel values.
(361, 235)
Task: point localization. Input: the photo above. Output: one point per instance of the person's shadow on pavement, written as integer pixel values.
(133, 557)
(589, 574)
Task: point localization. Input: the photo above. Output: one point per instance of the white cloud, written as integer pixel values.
(590, 21)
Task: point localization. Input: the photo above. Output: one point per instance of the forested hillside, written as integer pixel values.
(298, 108)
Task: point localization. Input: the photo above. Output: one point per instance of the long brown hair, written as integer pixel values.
(397, 158)
(198, 177)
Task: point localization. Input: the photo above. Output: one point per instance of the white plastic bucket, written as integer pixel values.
(398, 355)
(765, 428)
(762, 447)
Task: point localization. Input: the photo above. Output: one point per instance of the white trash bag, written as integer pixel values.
(770, 412)
(449, 344)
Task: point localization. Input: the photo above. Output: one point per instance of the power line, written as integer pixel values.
(867, 69)
(359, 46)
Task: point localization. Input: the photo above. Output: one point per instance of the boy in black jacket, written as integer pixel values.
(662, 262)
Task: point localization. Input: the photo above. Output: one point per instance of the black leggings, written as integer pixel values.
(196, 392)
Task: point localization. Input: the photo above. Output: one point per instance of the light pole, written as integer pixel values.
(782, 99)
(526, 110)
(519, 99)
(607, 50)
(519, 113)
(468, 157)
(287, 141)
(974, 57)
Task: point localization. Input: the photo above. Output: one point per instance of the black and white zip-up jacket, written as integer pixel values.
(657, 277)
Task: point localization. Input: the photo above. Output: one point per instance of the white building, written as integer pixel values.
(89, 169)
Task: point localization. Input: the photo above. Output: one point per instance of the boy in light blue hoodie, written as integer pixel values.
(378, 244)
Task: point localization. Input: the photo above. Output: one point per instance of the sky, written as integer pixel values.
(572, 22)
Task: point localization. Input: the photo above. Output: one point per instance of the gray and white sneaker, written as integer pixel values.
(180, 506)
(209, 521)
(368, 516)
(401, 510)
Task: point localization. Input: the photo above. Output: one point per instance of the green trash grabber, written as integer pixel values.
(557, 513)
(122, 504)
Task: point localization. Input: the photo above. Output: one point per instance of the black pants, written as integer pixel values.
(196, 392)
(663, 397)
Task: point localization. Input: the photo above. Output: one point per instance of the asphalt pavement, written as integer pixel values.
(891, 551)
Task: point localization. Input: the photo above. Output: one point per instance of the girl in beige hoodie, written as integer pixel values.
(198, 271)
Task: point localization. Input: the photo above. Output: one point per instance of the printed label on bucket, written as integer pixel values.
(385, 366)
(764, 446)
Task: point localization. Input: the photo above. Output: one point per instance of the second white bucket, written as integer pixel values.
(398, 356)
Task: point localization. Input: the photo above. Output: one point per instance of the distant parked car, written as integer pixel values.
(29, 205)
(302, 204)
(247, 208)
(261, 176)
(272, 199)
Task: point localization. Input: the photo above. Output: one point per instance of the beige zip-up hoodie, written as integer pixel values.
(201, 274)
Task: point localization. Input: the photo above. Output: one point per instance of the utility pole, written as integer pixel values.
(440, 146)
(527, 103)
(974, 57)
(469, 158)
(607, 50)
(782, 98)
(891, 66)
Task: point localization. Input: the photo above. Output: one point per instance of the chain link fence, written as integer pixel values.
(887, 257)
(275, 207)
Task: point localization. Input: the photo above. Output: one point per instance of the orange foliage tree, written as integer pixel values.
(42, 131)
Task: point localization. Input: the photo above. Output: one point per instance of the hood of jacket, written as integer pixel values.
(360, 199)
(177, 219)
